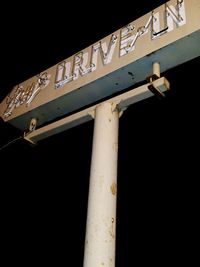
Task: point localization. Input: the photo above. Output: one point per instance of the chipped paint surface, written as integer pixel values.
(101, 220)
(113, 189)
(112, 229)
(115, 146)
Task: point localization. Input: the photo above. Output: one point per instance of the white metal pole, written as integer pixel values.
(101, 215)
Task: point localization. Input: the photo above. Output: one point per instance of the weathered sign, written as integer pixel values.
(169, 35)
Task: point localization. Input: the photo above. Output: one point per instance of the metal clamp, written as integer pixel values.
(32, 127)
(156, 75)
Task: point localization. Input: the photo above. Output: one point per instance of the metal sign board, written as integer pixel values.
(169, 35)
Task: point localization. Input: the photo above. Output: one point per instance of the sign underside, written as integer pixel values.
(169, 35)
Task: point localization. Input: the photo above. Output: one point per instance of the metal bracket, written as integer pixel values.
(33, 124)
(152, 78)
(32, 127)
(155, 76)
(120, 103)
(156, 91)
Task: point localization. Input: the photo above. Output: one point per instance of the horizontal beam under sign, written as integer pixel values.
(121, 102)
(170, 35)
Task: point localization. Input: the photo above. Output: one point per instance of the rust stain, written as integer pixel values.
(113, 189)
(115, 146)
(112, 235)
(110, 263)
(112, 229)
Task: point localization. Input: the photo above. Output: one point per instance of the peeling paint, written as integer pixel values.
(112, 235)
(111, 262)
(115, 146)
(112, 229)
(113, 189)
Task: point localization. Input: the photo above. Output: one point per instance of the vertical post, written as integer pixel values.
(156, 69)
(101, 215)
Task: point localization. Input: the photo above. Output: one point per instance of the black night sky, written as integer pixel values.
(45, 187)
